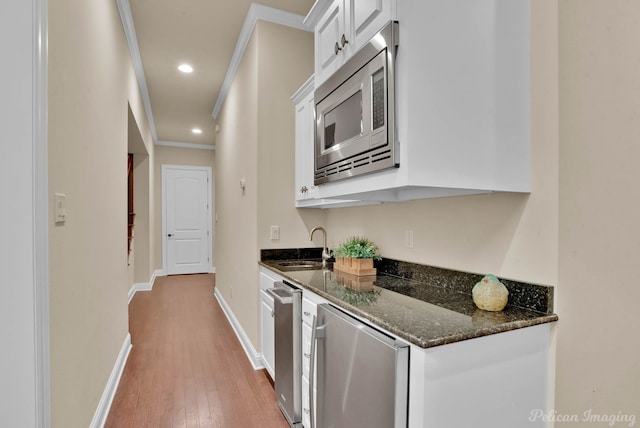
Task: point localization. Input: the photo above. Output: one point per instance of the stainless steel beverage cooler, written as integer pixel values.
(362, 374)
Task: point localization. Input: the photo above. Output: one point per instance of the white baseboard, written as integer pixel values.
(145, 286)
(255, 358)
(100, 417)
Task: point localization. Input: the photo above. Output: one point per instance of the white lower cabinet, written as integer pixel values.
(306, 410)
(497, 380)
(267, 328)
(267, 333)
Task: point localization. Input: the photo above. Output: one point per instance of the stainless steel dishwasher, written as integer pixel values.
(288, 350)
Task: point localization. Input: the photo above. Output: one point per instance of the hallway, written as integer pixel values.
(186, 367)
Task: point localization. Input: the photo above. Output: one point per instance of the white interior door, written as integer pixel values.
(187, 218)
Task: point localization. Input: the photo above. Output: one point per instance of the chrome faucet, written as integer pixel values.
(325, 251)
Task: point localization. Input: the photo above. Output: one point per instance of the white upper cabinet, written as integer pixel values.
(330, 52)
(463, 94)
(303, 103)
(368, 17)
(306, 193)
(343, 28)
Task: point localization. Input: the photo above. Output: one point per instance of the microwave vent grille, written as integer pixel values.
(370, 162)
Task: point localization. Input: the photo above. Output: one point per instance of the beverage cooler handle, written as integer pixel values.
(312, 367)
(316, 333)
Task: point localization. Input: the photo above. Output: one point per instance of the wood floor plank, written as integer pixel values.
(186, 367)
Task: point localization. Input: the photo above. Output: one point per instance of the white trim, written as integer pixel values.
(164, 169)
(182, 145)
(255, 358)
(303, 90)
(41, 214)
(256, 11)
(145, 286)
(212, 269)
(140, 286)
(317, 10)
(100, 416)
(132, 40)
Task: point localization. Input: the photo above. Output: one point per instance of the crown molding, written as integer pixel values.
(256, 12)
(303, 91)
(317, 10)
(124, 8)
(182, 145)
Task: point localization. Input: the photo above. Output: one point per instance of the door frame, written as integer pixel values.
(164, 168)
(27, 97)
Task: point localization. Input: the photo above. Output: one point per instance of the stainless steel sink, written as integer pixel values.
(288, 265)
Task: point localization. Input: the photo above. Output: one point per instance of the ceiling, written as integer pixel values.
(202, 33)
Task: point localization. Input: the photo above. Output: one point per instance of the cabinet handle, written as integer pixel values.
(307, 355)
(303, 189)
(337, 48)
(307, 313)
(344, 40)
(272, 313)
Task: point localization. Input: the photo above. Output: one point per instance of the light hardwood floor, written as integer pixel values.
(186, 367)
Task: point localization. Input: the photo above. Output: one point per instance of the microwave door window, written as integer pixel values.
(344, 121)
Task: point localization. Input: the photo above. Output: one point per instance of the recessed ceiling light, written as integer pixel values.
(196, 131)
(185, 68)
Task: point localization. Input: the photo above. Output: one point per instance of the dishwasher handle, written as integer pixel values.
(281, 294)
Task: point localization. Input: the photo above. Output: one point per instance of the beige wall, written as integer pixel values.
(164, 155)
(278, 78)
(91, 82)
(237, 210)
(256, 142)
(597, 356)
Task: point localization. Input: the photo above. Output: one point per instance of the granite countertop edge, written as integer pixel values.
(407, 335)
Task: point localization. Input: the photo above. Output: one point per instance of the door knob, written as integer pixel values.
(170, 235)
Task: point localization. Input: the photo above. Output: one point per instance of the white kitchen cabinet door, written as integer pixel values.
(345, 26)
(306, 193)
(328, 34)
(368, 17)
(267, 337)
(304, 147)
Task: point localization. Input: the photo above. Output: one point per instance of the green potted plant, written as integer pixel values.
(356, 255)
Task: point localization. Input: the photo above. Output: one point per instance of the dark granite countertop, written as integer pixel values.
(425, 315)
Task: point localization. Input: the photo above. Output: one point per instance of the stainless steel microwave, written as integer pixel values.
(355, 112)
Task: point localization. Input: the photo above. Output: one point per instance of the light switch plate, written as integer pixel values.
(275, 233)
(60, 208)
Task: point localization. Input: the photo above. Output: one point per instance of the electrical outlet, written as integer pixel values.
(408, 238)
(275, 233)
